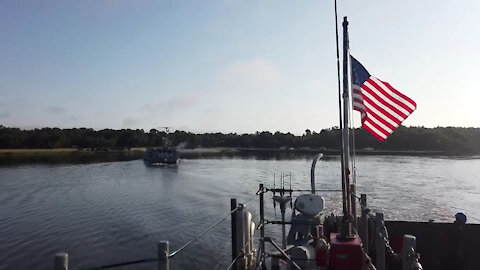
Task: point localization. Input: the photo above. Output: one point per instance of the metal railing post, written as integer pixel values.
(163, 252)
(364, 222)
(408, 246)
(61, 261)
(379, 242)
(262, 217)
(233, 206)
(353, 201)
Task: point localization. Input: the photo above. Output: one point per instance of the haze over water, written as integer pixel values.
(111, 212)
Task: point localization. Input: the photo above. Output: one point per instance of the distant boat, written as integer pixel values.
(166, 154)
(160, 155)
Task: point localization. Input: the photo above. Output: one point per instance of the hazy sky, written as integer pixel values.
(229, 66)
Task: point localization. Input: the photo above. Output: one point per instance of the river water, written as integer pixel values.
(110, 212)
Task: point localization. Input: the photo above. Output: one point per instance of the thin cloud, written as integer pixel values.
(4, 115)
(56, 110)
(175, 104)
(251, 74)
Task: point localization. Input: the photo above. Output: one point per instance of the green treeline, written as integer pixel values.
(447, 139)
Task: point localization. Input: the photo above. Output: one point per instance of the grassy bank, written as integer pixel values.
(66, 155)
(73, 155)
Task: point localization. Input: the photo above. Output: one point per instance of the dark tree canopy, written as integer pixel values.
(447, 139)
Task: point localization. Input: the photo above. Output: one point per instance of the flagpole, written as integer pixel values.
(346, 229)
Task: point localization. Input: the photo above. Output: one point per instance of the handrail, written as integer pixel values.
(312, 171)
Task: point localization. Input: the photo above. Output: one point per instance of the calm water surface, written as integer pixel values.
(110, 212)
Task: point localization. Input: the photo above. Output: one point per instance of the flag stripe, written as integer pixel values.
(377, 129)
(412, 103)
(380, 87)
(378, 118)
(394, 93)
(357, 99)
(379, 124)
(379, 103)
(374, 131)
(379, 111)
(374, 91)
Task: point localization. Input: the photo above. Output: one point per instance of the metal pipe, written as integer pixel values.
(260, 256)
(312, 171)
(301, 190)
(353, 199)
(284, 233)
(163, 251)
(346, 231)
(262, 218)
(302, 222)
(364, 222)
(233, 206)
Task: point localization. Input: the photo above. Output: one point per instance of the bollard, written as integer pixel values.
(61, 261)
(163, 251)
(408, 246)
(379, 242)
(364, 222)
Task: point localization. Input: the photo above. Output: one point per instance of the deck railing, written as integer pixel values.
(369, 222)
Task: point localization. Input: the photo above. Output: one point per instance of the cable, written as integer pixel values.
(202, 233)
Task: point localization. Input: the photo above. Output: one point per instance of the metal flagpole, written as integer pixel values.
(346, 232)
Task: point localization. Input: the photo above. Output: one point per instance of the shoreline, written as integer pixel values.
(74, 155)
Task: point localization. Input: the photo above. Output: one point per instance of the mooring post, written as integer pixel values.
(364, 222)
(61, 261)
(408, 246)
(233, 206)
(163, 251)
(379, 242)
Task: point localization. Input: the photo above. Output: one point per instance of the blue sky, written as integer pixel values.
(228, 66)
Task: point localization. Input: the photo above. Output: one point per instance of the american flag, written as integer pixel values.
(382, 107)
